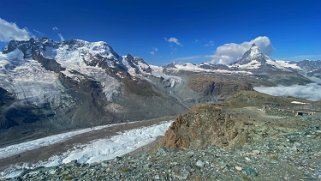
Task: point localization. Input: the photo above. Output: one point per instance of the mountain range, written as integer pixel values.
(49, 87)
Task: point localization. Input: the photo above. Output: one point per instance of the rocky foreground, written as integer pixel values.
(235, 140)
(293, 156)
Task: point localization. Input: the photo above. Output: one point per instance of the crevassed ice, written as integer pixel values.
(30, 81)
(96, 151)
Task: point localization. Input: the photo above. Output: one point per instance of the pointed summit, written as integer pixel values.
(253, 54)
(255, 50)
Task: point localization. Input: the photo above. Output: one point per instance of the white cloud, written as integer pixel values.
(10, 31)
(231, 52)
(173, 40)
(55, 28)
(309, 91)
(154, 51)
(61, 37)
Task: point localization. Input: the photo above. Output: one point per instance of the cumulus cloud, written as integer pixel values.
(10, 31)
(173, 40)
(231, 52)
(309, 91)
(154, 51)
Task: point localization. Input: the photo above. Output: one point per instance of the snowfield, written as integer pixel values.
(251, 65)
(28, 80)
(95, 151)
(298, 102)
(196, 68)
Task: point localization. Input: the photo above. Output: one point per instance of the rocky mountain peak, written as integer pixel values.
(128, 57)
(48, 46)
(255, 50)
(135, 65)
(76, 55)
(253, 54)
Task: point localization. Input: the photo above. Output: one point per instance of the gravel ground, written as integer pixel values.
(284, 155)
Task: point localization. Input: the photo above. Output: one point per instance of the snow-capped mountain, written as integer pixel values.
(253, 54)
(204, 67)
(135, 65)
(252, 61)
(51, 86)
(312, 68)
(309, 65)
(78, 54)
(255, 59)
(64, 85)
(78, 60)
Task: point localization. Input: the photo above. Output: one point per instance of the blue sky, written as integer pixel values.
(195, 28)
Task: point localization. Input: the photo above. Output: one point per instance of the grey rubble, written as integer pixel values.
(287, 156)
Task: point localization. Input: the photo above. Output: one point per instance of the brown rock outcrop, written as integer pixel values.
(205, 125)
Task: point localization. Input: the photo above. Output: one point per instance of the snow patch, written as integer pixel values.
(197, 68)
(157, 70)
(288, 64)
(131, 70)
(283, 65)
(255, 51)
(142, 67)
(251, 65)
(298, 102)
(75, 77)
(109, 84)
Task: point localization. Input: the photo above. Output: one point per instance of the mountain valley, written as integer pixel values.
(49, 88)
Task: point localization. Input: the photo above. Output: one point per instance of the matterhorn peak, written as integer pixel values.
(254, 50)
(254, 53)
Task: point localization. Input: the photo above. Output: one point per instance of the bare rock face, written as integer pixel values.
(215, 86)
(242, 120)
(205, 125)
